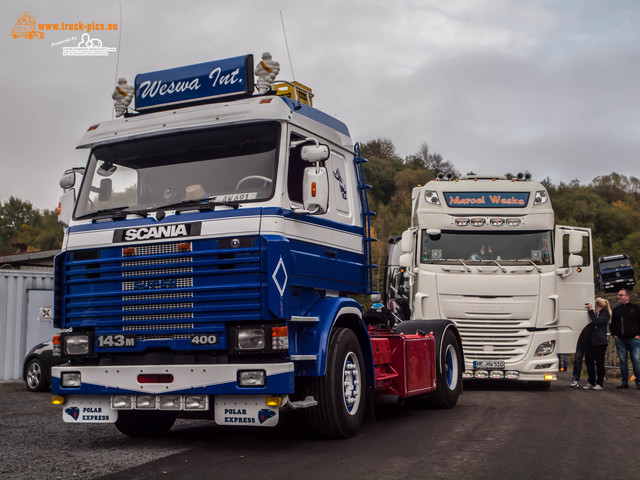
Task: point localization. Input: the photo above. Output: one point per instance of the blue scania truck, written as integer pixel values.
(213, 244)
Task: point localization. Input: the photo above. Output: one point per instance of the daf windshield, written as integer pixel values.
(220, 165)
(487, 247)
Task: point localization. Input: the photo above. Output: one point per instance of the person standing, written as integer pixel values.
(578, 358)
(625, 329)
(596, 343)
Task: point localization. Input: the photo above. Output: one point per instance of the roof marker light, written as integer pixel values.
(513, 222)
(478, 222)
(462, 222)
(497, 222)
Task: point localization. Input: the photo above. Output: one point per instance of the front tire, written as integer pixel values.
(140, 423)
(341, 391)
(34, 377)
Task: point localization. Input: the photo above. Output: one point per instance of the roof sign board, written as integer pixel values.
(487, 199)
(195, 83)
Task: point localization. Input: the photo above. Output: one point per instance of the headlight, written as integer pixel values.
(259, 338)
(250, 339)
(545, 348)
(431, 197)
(76, 344)
(541, 197)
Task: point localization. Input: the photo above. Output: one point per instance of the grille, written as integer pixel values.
(164, 326)
(163, 291)
(163, 278)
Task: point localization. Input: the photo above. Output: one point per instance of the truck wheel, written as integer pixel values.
(340, 393)
(448, 373)
(34, 377)
(137, 423)
(449, 360)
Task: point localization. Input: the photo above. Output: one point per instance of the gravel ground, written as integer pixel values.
(35, 443)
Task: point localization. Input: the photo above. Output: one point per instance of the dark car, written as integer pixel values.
(36, 369)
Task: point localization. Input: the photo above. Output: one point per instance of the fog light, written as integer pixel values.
(467, 374)
(543, 366)
(122, 402)
(76, 344)
(549, 376)
(170, 402)
(273, 401)
(70, 379)
(512, 374)
(250, 339)
(252, 378)
(545, 348)
(147, 402)
(482, 374)
(497, 374)
(57, 400)
(196, 402)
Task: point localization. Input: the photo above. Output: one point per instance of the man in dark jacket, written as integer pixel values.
(625, 329)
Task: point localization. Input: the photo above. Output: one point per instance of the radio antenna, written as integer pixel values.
(287, 44)
(118, 53)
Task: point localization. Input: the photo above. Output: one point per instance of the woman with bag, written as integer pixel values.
(596, 343)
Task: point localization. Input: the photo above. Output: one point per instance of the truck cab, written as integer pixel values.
(615, 272)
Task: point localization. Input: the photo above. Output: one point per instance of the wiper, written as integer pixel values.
(504, 270)
(115, 212)
(467, 268)
(202, 204)
(531, 262)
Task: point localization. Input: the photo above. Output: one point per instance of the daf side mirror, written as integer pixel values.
(575, 242)
(575, 261)
(406, 244)
(405, 260)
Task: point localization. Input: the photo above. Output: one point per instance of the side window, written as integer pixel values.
(295, 173)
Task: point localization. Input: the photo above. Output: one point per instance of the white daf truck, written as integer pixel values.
(484, 252)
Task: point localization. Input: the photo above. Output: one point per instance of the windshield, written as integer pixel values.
(487, 247)
(223, 165)
(612, 264)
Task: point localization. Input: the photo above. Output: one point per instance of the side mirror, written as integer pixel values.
(315, 190)
(575, 242)
(575, 261)
(65, 207)
(314, 153)
(406, 244)
(405, 260)
(104, 191)
(68, 180)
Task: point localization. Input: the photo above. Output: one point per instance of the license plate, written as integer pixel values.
(245, 410)
(489, 364)
(81, 409)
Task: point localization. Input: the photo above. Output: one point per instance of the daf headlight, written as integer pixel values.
(76, 344)
(545, 348)
(431, 196)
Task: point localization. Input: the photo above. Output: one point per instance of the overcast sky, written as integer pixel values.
(494, 86)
